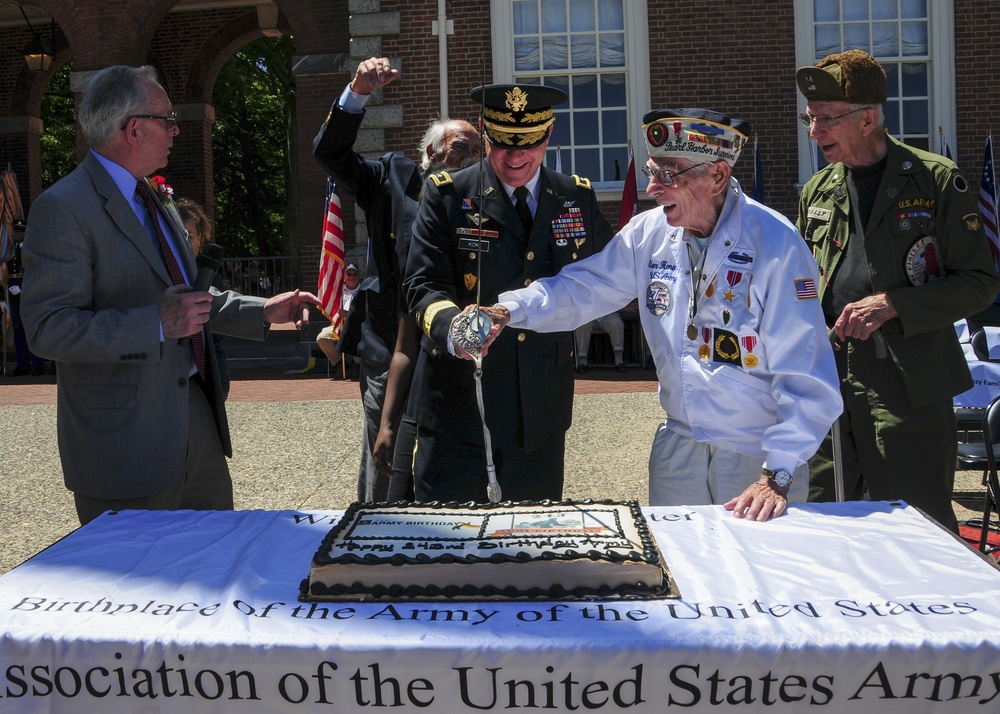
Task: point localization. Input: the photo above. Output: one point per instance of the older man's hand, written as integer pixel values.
(183, 311)
(761, 501)
(499, 317)
(289, 307)
(860, 319)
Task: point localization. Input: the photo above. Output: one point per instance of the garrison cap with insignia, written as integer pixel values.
(854, 77)
(517, 116)
(697, 134)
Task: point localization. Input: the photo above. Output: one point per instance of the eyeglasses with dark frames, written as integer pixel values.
(825, 121)
(169, 121)
(663, 176)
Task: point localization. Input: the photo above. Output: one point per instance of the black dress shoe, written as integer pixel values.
(620, 367)
(19, 372)
(581, 369)
(38, 371)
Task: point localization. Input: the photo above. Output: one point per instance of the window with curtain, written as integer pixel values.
(578, 46)
(897, 34)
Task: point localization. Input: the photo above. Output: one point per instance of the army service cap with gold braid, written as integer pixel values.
(700, 135)
(517, 116)
(854, 77)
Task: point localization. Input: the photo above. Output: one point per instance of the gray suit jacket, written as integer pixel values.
(92, 281)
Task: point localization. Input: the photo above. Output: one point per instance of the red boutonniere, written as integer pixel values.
(164, 189)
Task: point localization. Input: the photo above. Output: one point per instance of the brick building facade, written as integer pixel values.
(736, 57)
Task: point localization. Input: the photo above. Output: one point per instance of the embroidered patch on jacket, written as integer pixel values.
(726, 348)
(923, 262)
(971, 221)
(658, 298)
(805, 289)
(741, 257)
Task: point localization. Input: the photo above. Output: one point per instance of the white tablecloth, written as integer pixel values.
(857, 607)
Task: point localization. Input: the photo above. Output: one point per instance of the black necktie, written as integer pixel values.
(198, 338)
(522, 208)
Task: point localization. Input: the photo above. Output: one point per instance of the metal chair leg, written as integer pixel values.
(992, 492)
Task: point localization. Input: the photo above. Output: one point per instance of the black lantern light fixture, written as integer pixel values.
(36, 54)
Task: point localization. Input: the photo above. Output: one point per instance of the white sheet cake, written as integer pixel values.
(547, 550)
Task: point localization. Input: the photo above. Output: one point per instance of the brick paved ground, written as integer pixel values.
(266, 384)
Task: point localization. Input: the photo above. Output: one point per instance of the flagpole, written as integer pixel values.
(988, 200)
(630, 194)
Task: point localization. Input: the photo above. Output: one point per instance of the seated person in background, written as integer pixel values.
(326, 339)
(612, 326)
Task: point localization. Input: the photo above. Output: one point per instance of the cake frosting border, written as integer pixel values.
(650, 555)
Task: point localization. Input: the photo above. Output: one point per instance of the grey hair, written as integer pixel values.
(880, 121)
(113, 94)
(434, 138)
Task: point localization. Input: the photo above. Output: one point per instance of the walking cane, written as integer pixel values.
(881, 352)
(838, 456)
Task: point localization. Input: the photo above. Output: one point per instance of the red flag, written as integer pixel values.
(331, 260)
(630, 194)
(988, 201)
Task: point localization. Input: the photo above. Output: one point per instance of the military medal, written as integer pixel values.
(733, 277)
(692, 332)
(750, 359)
(705, 351)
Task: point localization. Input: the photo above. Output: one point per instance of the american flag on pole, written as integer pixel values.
(945, 149)
(331, 260)
(630, 193)
(988, 201)
(758, 173)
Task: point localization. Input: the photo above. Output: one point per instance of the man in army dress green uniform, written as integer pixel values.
(902, 256)
(527, 378)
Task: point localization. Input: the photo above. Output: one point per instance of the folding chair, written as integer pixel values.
(970, 419)
(984, 456)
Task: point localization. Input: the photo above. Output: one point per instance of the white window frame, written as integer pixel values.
(636, 75)
(941, 75)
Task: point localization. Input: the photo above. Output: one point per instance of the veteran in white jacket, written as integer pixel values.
(728, 305)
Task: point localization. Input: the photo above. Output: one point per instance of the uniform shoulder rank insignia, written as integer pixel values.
(441, 179)
(581, 181)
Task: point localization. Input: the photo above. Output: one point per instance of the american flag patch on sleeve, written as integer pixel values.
(805, 289)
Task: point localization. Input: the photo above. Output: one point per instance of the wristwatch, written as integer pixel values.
(782, 479)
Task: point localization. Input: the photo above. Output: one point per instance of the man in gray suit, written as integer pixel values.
(141, 416)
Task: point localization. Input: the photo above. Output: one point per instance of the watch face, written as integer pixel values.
(782, 478)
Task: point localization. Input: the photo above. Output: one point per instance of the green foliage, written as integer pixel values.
(59, 136)
(254, 99)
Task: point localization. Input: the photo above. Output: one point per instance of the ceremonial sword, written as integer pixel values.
(470, 329)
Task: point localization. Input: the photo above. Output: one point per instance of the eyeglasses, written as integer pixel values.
(663, 176)
(825, 121)
(169, 121)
